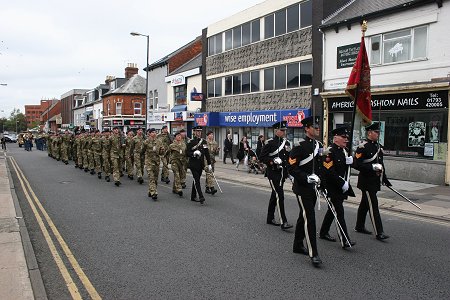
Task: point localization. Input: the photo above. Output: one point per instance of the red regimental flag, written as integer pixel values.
(358, 85)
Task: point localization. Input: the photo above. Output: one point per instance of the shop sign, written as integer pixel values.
(178, 116)
(206, 119)
(178, 80)
(117, 122)
(346, 55)
(264, 118)
(134, 122)
(197, 96)
(422, 100)
(106, 123)
(58, 120)
(188, 116)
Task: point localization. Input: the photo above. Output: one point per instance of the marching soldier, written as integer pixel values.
(49, 143)
(129, 151)
(97, 152)
(177, 156)
(74, 148)
(304, 164)
(165, 140)
(369, 162)
(138, 140)
(275, 155)
(213, 148)
(56, 147)
(106, 153)
(115, 141)
(186, 160)
(79, 145)
(152, 148)
(86, 151)
(335, 169)
(91, 153)
(65, 146)
(197, 151)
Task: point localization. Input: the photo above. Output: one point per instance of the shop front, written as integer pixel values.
(124, 123)
(182, 120)
(414, 131)
(252, 124)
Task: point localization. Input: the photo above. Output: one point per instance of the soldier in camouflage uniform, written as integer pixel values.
(91, 153)
(152, 148)
(129, 151)
(183, 174)
(65, 141)
(115, 154)
(97, 152)
(106, 150)
(74, 148)
(165, 140)
(213, 148)
(80, 149)
(56, 147)
(49, 144)
(138, 140)
(177, 151)
(86, 151)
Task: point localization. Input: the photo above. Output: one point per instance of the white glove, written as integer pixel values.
(197, 153)
(345, 187)
(313, 178)
(377, 167)
(349, 160)
(209, 168)
(277, 161)
(291, 178)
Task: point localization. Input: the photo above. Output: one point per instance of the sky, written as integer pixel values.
(48, 47)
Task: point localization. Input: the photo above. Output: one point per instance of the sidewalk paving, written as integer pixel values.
(16, 269)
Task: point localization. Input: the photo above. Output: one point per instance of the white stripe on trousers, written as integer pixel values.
(305, 225)
(369, 200)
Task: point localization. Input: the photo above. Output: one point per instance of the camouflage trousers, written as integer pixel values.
(56, 152)
(139, 165)
(209, 177)
(129, 165)
(116, 168)
(98, 162)
(177, 169)
(64, 153)
(85, 159)
(183, 172)
(165, 167)
(91, 160)
(106, 164)
(152, 167)
(80, 158)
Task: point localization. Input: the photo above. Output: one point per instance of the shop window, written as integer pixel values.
(228, 85)
(268, 79)
(293, 75)
(246, 82)
(118, 108)
(180, 95)
(137, 108)
(228, 40)
(246, 32)
(255, 31)
(306, 14)
(306, 73)
(293, 18)
(254, 78)
(399, 46)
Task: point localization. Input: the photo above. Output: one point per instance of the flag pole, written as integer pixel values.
(363, 30)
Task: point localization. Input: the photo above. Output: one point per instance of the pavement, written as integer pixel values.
(19, 273)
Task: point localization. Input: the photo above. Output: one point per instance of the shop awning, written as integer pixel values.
(179, 108)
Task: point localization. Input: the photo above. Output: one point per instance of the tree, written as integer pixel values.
(16, 120)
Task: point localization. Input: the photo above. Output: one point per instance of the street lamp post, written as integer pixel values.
(146, 73)
(17, 123)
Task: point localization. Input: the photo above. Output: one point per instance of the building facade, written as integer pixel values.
(410, 75)
(68, 103)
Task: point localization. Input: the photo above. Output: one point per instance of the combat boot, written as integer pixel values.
(92, 171)
(117, 183)
(130, 177)
(107, 178)
(213, 190)
(207, 190)
(140, 180)
(99, 175)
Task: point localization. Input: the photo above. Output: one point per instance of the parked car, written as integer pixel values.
(9, 139)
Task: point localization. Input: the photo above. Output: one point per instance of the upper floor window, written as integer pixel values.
(399, 46)
(150, 99)
(180, 95)
(137, 108)
(288, 76)
(215, 87)
(118, 108)
(155, 98)
(215, 44)
(288, 19)
(238, 36)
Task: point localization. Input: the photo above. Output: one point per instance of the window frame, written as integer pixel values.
(135, 108)
(118, 103)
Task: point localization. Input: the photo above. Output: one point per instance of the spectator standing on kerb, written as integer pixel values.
(228, 148)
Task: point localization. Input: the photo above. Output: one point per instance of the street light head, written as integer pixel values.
(134, 33)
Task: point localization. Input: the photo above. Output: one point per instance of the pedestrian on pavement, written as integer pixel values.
(197, 151)
(369, 162)
(243, 151)
(153, 148)
(228, 149)
(275, 156)
(260, 145)
(3, 143)
(213, 148)
(165, 140)
(336, 165)
(177, 156)
(138, 160)
(304, 165)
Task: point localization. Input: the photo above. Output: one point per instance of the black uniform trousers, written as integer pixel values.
(196, 186)
(276, 183)
(369, 203)
(337, 204)
(306, 224)
(228, 153)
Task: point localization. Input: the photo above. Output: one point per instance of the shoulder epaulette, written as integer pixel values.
(362, 144)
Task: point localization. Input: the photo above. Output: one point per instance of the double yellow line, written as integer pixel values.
(37, 207)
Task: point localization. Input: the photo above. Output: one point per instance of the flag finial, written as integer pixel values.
(364, 26)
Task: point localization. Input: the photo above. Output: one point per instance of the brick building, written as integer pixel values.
(33, 112)
(51, 115)
(68, 102)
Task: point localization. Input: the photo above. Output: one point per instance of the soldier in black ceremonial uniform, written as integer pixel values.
(369, 162)
(335, 167)
(197, 151)
(275, 155)
(304, 165)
